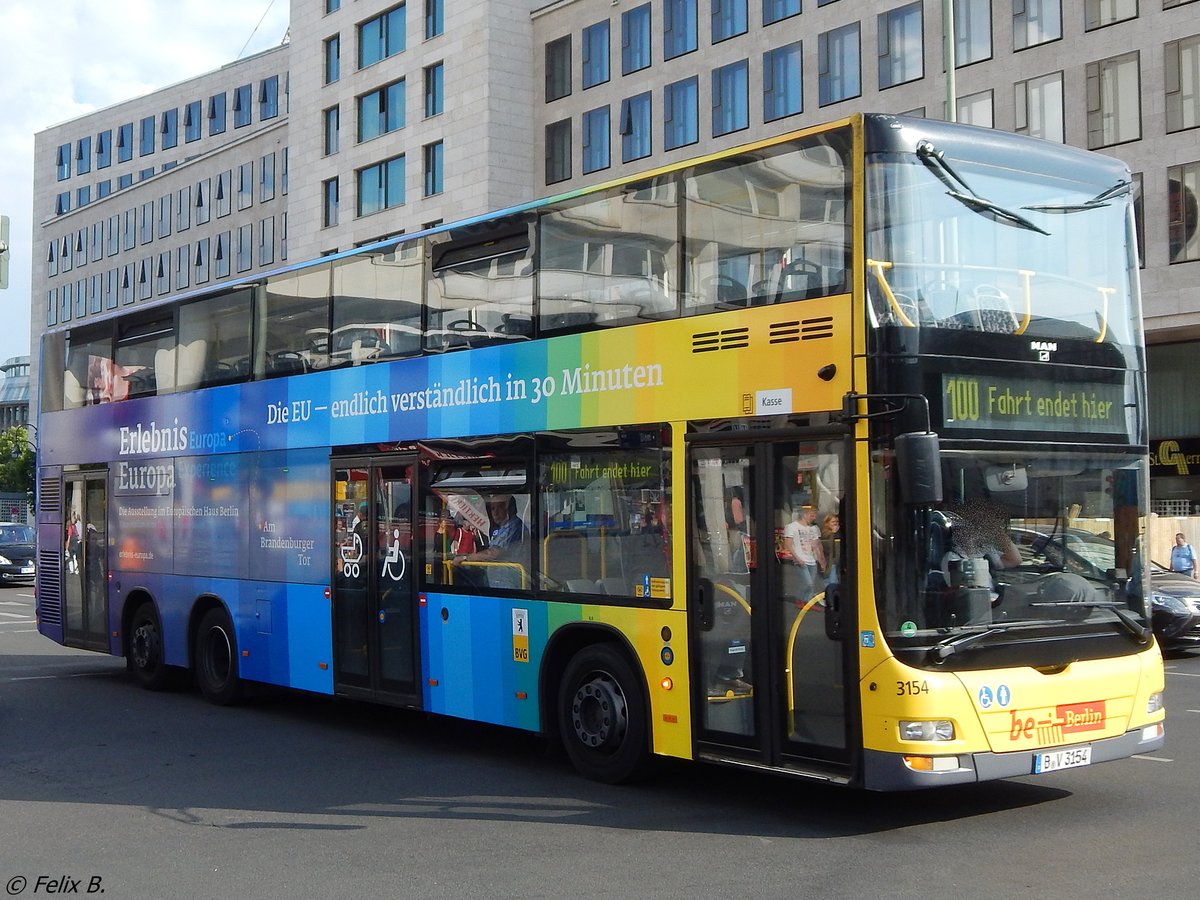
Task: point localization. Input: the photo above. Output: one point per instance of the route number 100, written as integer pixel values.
(962, 397)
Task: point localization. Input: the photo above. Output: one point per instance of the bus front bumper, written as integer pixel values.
(884, 771)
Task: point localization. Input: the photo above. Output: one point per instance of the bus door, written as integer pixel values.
(769, 660)
(374, 613)
(85, 560)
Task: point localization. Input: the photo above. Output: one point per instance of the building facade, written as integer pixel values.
(382, 117)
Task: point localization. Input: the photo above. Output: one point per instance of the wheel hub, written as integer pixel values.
(598, 712)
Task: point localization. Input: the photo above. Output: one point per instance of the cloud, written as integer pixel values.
(66, 59)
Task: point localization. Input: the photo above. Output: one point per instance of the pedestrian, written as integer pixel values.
(1183, 558)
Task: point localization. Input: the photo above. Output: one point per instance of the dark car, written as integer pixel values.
(16, 553)
(1174, 598)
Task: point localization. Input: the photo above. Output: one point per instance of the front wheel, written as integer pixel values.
(144, 653)
(602, 716)
(215, 658)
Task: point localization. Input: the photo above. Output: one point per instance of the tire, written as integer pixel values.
(602, 716)
(215, 659)
(144, 650)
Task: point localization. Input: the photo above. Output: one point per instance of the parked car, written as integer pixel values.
(1174, 598)
(17, 553)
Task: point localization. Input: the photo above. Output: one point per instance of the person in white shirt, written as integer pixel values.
(803, 537)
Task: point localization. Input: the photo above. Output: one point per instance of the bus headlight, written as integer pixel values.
(934, 730)
(1155, 703)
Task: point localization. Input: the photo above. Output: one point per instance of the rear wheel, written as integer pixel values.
(215, 658)
(144, 653)
(602, 716)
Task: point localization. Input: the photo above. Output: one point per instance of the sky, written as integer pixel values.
(62, 59)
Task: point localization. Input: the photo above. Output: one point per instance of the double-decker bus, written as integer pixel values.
(766, 458)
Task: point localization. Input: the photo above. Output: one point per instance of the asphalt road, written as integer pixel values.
(107, 787)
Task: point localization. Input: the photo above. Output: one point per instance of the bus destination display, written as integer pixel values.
(1026, 404)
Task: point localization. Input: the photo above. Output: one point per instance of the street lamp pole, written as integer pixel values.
(948, 41)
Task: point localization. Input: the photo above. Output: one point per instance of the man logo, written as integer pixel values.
(1043, 349)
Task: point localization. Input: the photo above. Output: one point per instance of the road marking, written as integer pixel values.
(1188, 674)
(1152, 758)
(15, 615)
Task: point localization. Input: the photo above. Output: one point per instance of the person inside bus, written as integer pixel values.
(803, 537)
(505, 542)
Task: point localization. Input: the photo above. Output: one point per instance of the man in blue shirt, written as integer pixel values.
(505, 544)
(1183, 559)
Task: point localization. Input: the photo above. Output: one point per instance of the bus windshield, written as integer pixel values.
(1049, 541)
(960, 244)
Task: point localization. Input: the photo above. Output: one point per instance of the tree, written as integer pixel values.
(17, 466)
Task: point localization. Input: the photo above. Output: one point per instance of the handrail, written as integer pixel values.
(877, 266)
(448, 567)
(787, 672)
(1105, 292)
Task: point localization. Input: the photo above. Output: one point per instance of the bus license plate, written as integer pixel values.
(1062, 759)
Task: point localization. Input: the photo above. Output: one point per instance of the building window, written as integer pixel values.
(636, 126)
(83, 156)
(1181, 61)
(224, 194)
(381, 186)
(241, 106)
(183, 209)
(191, 122)
(434, 92)
(245, 191)
(838, 65)
(162, 274)
(435, 18)
(267, 178)
(783, 93)
(595, 54)
(976, 109)
(433, 169)
(679, 27)
(104, 149)
(268, 98)
(170, 129)
(63, 162)
(125, 142)
(183, 270)
(901, 45)
(331, 118)
(221, 255)
(1114, 101)
(1098, 13)
(333, 59)
(1039, 107)
(329, 203)
(731, 98)
(558, 151)
(200, 265)
(1183, 187)
(165, 215)
(777, 10)
(595, 140)
(146, 224)
(381, 111)
(558, 68)
(146, 142)
(83, 195)
(382, 36)
(203, 201)
(635, 39)
(216, 114)
(1036, 22)
(245, 247)
(681, 113)
(972, 31)
(729, 19)
(128, 230)
(103, 188)
(266, 241)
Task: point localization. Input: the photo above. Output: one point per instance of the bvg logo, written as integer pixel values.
(1169, 455)
(1070, 718)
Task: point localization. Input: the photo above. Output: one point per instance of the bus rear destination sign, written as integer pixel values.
(1026, 404)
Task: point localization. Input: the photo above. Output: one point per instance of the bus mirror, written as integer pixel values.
(919, 465)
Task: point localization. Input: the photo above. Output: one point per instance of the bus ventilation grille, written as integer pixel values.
(49, 499)
(801, 330)
(49, 587)
(728, 339)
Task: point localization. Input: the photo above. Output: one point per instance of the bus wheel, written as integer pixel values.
(144, 655)
(215, 657)
(602, 716)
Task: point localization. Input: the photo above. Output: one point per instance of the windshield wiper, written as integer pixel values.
(1128, 622)
(1099, 201)
(947, 648)
(935, 161)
